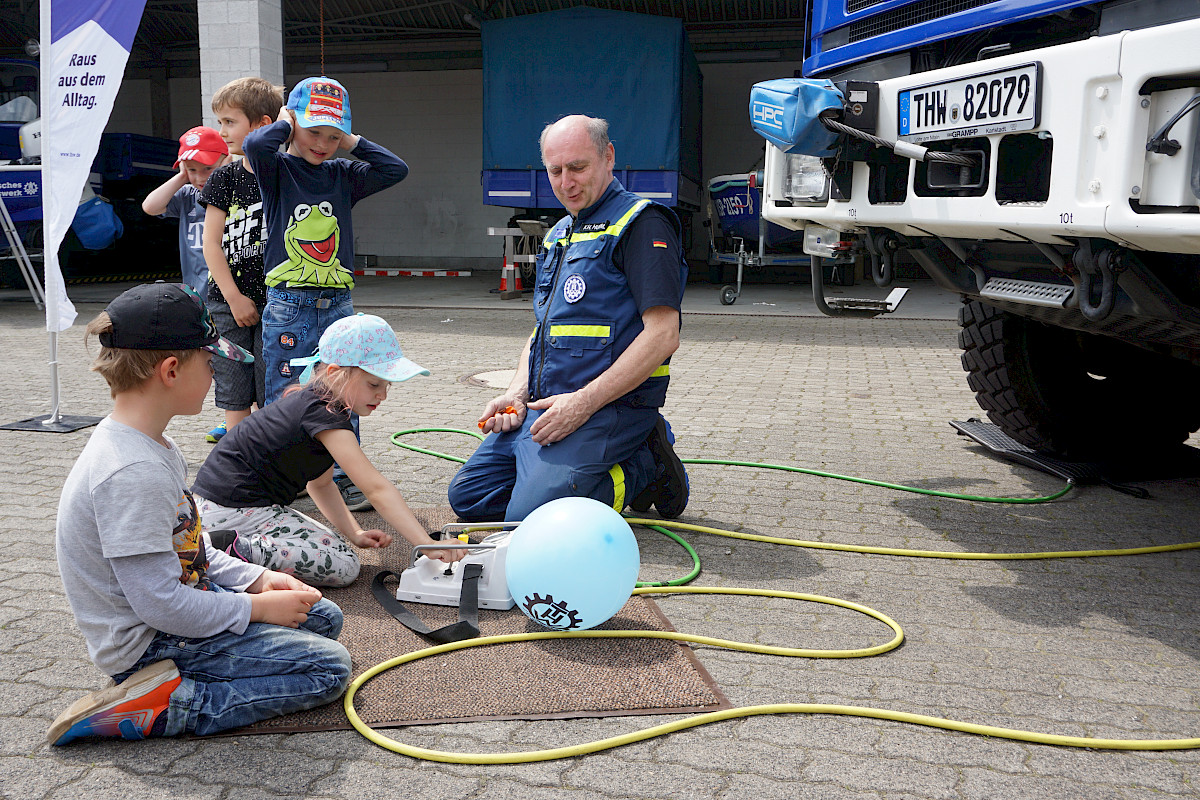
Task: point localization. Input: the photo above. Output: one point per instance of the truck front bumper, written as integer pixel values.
(1101, 100)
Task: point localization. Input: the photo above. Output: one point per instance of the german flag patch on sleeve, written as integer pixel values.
(659, 243)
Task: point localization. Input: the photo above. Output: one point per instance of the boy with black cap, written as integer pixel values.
(195, 641)
(201, 150)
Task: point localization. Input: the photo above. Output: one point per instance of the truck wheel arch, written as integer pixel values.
(1079, 396)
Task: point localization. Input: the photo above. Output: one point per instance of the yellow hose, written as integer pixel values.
(899, 551)
(716, 716)
(792, 652)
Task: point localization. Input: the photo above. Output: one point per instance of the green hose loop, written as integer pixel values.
(396, 441)
(691, 576)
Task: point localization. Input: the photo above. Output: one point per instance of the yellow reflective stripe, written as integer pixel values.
(532, 335)
(579, 330)
(614, 229)
(618, 478)
(661, 372)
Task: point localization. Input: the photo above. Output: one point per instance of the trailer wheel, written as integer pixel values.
(729, 295)
(1077, 395)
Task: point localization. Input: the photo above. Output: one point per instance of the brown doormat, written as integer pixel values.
(550, 679)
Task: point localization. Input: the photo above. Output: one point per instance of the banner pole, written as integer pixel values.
(55, 417)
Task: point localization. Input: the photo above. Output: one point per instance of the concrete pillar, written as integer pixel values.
(238, 38)
(160, 103)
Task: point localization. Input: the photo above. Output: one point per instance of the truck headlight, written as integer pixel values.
(804, 179)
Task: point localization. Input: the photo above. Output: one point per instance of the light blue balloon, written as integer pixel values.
(572, 564)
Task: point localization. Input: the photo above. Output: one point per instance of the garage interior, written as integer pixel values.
(414, 72)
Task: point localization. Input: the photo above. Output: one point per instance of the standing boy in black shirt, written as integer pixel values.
(234, 241)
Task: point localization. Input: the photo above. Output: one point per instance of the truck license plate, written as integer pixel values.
(992, 102)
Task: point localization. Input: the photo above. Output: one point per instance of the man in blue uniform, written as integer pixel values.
(581, 416)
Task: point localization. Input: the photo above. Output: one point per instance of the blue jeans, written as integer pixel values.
(231, 680)
(509, 474)
(292, 324)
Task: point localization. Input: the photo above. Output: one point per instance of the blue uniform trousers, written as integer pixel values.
(510, 475)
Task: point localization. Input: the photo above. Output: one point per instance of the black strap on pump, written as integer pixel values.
(467, 626)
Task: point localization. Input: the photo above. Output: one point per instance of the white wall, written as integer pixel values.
(433, 120)
(435, 218)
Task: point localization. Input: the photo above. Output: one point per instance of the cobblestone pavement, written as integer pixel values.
(1093, 647)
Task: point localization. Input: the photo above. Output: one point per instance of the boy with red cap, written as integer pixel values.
(201, 150)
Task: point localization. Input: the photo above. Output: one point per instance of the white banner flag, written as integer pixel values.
(85, 45)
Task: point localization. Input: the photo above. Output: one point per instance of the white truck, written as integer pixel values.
(1040, 159)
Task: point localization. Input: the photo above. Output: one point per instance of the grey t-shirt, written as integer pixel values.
(131, 555)
(185, 206)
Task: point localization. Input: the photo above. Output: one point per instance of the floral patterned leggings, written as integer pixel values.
(283, 539)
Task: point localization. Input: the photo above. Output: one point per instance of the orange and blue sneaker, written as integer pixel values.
(134, 709)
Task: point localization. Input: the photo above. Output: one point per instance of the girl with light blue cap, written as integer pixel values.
(246, 485)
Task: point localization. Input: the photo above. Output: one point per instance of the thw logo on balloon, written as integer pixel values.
(545, 611)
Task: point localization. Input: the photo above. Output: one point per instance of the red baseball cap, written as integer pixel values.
(201, 144)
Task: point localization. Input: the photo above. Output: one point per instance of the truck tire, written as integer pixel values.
(1079, 396)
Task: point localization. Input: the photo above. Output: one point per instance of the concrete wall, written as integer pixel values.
(436, 219)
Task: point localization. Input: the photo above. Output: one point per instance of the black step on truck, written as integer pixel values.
(1042, 160)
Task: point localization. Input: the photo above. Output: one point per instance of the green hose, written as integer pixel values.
(883, 484)
(758, 465)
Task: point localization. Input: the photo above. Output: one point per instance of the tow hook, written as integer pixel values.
(1106, 264)
(882, 247)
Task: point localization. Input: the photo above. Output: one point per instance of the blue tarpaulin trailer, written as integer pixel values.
(636, 71)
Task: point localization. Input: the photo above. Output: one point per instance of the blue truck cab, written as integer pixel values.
(1039, 158)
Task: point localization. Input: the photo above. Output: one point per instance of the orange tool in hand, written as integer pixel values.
(507, 410)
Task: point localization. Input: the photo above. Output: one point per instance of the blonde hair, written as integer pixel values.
(330, 386)
(255, 97)
(122, 368)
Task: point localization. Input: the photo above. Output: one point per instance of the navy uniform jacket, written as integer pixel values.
(586, 314)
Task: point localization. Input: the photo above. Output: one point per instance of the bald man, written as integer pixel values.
(581, 416)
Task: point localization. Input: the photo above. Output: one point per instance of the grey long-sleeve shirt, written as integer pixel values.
(129, 550)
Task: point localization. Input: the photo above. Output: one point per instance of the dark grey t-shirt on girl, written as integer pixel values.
(267, 458)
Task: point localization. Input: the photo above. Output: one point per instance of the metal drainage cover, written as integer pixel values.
(490, 379)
